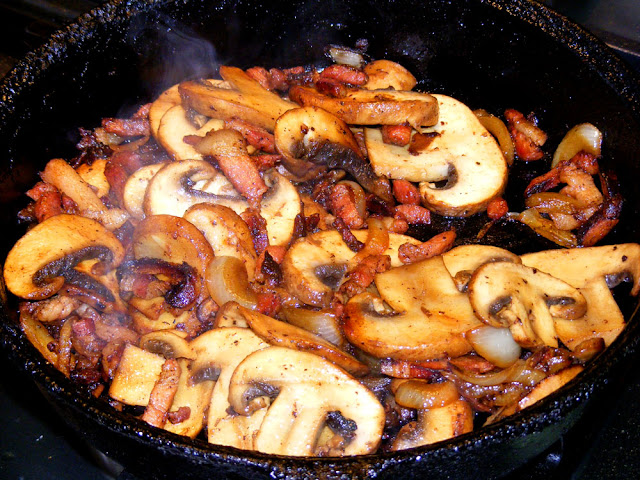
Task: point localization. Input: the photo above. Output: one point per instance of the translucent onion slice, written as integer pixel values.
(323, 323)
(420, 394)
(495, 345)
(346, 56)
(551, 202)
(499, 130)
(227, 281)
(547, 229)
(583, 137)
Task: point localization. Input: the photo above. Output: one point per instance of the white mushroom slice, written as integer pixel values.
(136, 187)
(227, 233)
(373, 107)
(462, 261)
(307, 389)
(387, 74)
(63, 176)
(219, 352)
(174, 126)
(230, 315)
(35, 266)
(179, 185)
(284, 334)
(315, 266)
(462, 153)
(428, 319)
(168, 344)
(593, 271)
(525, 299)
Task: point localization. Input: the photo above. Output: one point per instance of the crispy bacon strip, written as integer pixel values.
(497, 208)
(344, 74)
(410, 253)
(526, 135)
(406, 192)
(399, 135)
(162, 394)
(362, 275)
(413, 214)
(342, 203)
(258, 228)
(127, 127)
(349, 238)
(244, 176)
(255, 136)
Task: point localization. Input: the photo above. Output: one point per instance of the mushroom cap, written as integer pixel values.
(35, 266)
(306, 388)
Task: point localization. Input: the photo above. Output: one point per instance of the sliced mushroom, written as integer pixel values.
(137, 373)
(384, 74)
(230, 315)
(460, 171)
(135, 188)
(373, 107)
(307, 389)
(427, 320)
(36, 265)
(315, 266)
(286, 335)
(593, 271)
(179, 185)
(226, 232)
(219, 352)
(168, 344)
(93, 174)
(175, 125)
(435, 425)
(248, 100)
(311, 137)
(63, 176)
(524, 299)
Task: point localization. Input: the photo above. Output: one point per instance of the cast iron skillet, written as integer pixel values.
(491, 54)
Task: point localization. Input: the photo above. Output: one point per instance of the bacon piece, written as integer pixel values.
(342, 203)
(266, 161)
(349, 238)
(413, 214)
(331, 87)
(162, 394)
(255, 136)
(526, 135)
(278, 79)
(399, 135)
(344, 74)
(244, 176)
(421, 141)
(606, 217)
(406, 192)
(362, 275)
(181, 415)
(260, 75)
(258, 228)
(497, 208)
(127, 127)
(269, 303)
(410, 253)
(405, 369)
(268, 264)
(84, 338)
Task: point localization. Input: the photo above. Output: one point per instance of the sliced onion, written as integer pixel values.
(499, 130)
(346, 56)
(227, 281)
(547, 229)
(420, 394)
(495, 345)
(323, 323)
(551, 202)
(583, 137)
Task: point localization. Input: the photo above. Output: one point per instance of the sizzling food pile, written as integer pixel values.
(239, 261)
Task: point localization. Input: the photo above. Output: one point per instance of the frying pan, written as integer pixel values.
(491, 54)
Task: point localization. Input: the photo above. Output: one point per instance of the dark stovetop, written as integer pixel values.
(36, 444)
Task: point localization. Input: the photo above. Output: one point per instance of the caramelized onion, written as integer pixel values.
(519, 372)
(495, 344)
(547, 229)
(227, 281)
(323, 323)
(583, 137)
(551, 202)
(420, 394)
(499, 130)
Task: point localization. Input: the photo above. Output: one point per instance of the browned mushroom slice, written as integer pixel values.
(524, 299)
(168, 343)
(315, 266)
(247, 100)
(64, 177)
(309, 137)
(227, 233)
(36, 265)
(427, 319)
(383, 74)
(175, 126)
(593, 271)
(219, 352)
(373, 107)
(460, 170)
(284, 334)
(306, 390)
